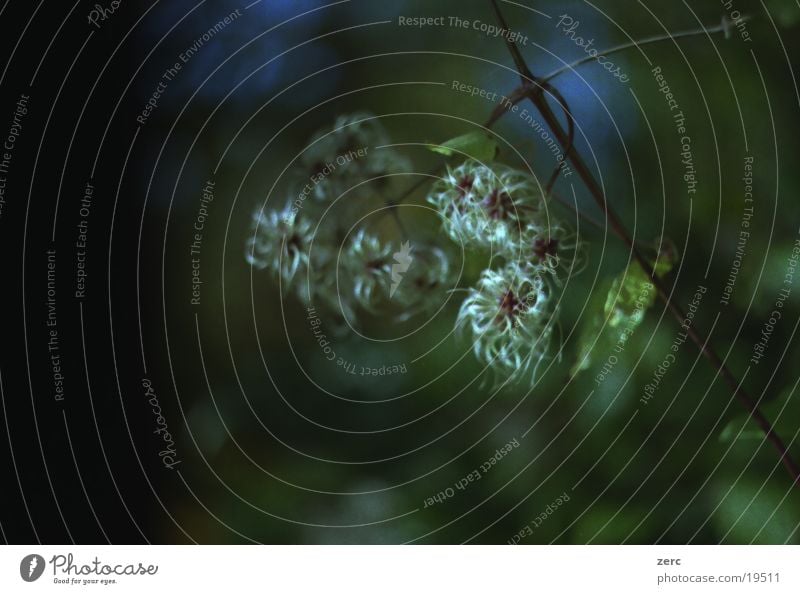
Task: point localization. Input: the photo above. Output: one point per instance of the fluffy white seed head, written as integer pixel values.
(366, 263)
(486, 206)
(340, 158)
(509, 317)
(551, 249)
(424, 283)
(280, 241)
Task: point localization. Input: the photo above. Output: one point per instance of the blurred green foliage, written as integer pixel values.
(297, 463)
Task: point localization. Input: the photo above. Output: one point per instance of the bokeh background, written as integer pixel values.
(269, 456)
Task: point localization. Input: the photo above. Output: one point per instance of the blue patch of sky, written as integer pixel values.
(599, 102)
(254, 21)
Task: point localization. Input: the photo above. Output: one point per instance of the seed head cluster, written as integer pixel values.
(508, 315)
(511, 313)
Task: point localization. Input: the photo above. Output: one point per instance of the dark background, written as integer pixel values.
(266, 456)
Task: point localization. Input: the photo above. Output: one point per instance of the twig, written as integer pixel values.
(536, 96)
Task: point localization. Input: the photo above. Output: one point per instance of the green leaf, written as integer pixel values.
(621, 307)
(630, 295)
(753, 512)
(478, 145)
(589, 332)
(783, 413)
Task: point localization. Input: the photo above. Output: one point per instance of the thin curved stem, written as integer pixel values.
(537, 97)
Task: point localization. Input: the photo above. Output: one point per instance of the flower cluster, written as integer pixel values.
(338, 261)
(512, 310)
(368, 271)
(321, 257)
